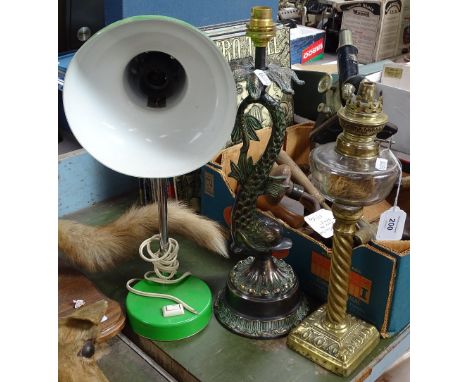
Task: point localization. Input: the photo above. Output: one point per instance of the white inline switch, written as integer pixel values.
(173, 310)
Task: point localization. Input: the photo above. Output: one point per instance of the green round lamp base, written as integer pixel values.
(145, 313)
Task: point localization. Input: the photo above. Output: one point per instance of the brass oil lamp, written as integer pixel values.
(345, 171)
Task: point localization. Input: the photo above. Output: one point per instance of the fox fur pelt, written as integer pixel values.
(77, 335)
(101, 248)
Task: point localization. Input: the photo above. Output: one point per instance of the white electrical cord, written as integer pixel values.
(165, 265)
(400, 175)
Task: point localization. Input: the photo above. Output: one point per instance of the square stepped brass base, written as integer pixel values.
(339, 351)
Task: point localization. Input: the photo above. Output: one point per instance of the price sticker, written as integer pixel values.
(391, 224)
(262, 77)
(321, 221)
(381, 164)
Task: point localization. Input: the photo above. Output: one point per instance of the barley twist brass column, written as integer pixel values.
(347, 174)
(344, 228)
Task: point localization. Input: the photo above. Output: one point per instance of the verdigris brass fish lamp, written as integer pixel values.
(262, 297)
(349, 172)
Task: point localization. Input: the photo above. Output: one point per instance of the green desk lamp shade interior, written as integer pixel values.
(145, 313)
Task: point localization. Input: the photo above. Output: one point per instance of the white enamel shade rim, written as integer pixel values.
(139, 141)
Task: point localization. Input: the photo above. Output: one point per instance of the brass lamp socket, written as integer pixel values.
(261, 28)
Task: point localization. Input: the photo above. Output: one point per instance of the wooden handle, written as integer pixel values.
(309, 202)
(301, 178)
(290, 218)
(405, 183)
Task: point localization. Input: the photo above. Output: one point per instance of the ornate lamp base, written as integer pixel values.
(262, 299)
(339, 349)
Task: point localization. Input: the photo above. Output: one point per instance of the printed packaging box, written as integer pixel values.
(235, 45)
(376, 27)
(404, 39)
(379, 281)
(307, 44)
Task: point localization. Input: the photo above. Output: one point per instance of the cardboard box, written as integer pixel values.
(396, 104)
(234, 45)
(375, 25)
(396, 75)
(379, 282)
(404, 39)
(307, 44)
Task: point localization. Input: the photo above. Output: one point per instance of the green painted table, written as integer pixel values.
(216, 354)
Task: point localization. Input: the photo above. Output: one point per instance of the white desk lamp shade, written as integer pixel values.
(119, 130)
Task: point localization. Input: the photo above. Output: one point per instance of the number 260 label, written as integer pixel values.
(391, 224)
